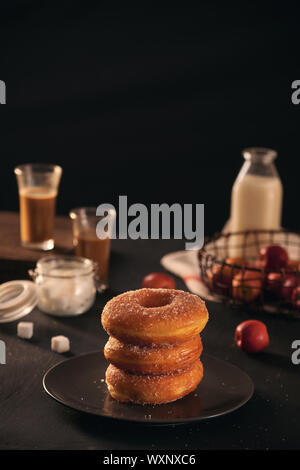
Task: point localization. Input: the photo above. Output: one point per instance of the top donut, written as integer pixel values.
(154, 316)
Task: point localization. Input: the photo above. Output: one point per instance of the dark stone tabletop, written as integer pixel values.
(30, 419)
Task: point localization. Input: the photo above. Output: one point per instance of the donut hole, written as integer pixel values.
(156, 299)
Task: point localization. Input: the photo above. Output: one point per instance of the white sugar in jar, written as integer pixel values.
(65, 285)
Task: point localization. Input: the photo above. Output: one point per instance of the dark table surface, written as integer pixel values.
(30, 419)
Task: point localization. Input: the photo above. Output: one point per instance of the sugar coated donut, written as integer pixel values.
(153, 389)
(152, 360)
(154, 316)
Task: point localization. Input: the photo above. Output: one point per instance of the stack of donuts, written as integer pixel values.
(154, 345)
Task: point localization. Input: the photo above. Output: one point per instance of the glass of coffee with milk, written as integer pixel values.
(38, 186)
(87, 242)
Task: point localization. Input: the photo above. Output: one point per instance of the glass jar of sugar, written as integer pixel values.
(65, 285)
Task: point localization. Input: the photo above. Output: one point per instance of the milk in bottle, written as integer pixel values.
(256, 198)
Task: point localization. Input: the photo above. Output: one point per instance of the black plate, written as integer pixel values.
(79, 383)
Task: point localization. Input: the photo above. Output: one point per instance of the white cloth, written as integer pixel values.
(184, 264)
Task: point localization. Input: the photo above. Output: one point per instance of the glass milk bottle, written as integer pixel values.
(256, 198)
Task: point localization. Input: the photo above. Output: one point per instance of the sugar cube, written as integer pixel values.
(60, 344)
(25, 329)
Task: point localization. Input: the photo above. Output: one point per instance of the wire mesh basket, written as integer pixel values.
(232, 270)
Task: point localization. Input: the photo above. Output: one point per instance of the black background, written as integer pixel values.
(153, 102)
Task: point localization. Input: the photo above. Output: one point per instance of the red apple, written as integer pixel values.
(282, 284)
(220, 276)
(296, 294)
(259, 264)
(219, 279)
(252, 336)
(296, 297)
(274, 283)
(289, 283)
(246, 286)
(293, 265)
(159, 281)
(273, 257)
(237, 261)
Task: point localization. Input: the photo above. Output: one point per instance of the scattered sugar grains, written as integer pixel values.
(132, 302)
(60, 344)
(25, 329)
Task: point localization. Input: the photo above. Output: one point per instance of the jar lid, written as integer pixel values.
(17, 299)
(64, 266)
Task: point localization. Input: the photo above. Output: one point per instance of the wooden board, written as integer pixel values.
(10, 246)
